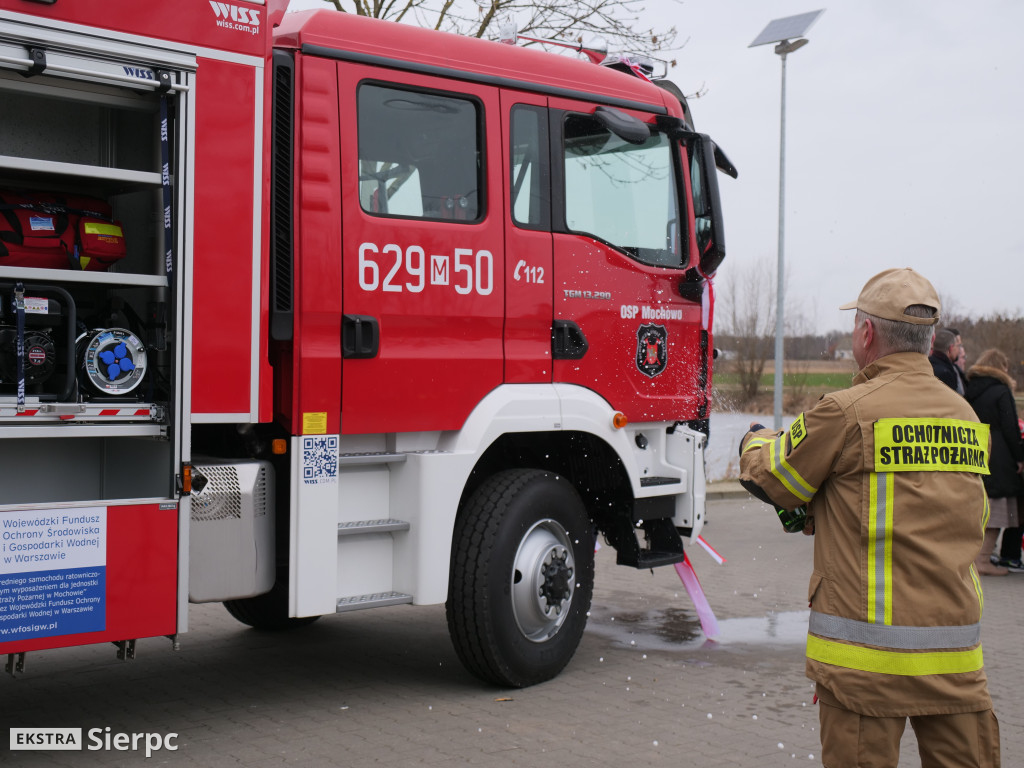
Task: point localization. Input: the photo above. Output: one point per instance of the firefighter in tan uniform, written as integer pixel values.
(889, 472)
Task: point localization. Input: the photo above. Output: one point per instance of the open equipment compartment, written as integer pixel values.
(90, 412)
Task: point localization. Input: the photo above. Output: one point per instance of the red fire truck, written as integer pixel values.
(309, 313)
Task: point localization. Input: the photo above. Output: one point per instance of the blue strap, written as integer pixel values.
(19, 310)
(165, 161)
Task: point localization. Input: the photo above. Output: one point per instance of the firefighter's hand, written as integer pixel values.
(809, 526)
(754, 427)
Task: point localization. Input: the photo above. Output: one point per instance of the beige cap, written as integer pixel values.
(889, 293)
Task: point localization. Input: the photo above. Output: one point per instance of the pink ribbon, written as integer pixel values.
(688, 576)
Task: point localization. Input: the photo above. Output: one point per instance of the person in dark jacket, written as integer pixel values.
(945, 353)
(960, 361)
(990, 393)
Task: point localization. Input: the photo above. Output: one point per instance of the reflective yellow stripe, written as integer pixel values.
(977, 587)
(756, 442)
(974, 570)
(888, 550)
(880, 549)
(785, 473)
(872, 538)
(96, 228)
(893, 662)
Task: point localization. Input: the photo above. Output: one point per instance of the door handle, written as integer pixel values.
(360, 337)
(567, 341)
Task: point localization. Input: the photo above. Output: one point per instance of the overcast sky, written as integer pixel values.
(904, 143)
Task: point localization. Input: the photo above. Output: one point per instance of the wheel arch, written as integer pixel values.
(590, 464)
(565, 429)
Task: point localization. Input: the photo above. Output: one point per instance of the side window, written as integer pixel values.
(701, 207)
(622, 193)
(420, 154)
(530, 175)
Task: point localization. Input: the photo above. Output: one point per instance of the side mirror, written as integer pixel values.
(691, 285)
(705, 157)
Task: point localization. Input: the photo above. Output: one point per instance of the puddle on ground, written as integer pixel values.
(678, 629)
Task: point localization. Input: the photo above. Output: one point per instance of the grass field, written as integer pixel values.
(821, 380)
(831, 374)
(803, 381)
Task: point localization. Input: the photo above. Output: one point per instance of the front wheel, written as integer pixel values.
(522, 576)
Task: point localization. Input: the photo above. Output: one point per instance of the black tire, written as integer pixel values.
(522, 577)
(267, 612)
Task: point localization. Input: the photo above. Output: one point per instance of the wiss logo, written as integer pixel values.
(236, 14)
(141, 74)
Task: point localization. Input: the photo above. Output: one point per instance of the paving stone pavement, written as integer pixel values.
(384, 688)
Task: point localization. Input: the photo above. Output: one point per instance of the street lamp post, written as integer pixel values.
(782, 32)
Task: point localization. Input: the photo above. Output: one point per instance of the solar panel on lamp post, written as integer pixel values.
(787, 33)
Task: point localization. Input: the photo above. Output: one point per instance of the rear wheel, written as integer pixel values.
(522, 577)
(268, 611)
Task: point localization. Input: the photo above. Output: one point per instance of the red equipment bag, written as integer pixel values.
(100, 243)
(55, 231)
(33, 233)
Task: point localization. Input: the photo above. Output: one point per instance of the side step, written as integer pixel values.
(650, 482)
(664, 545)
(356, 527)
(378, 600)
(364, 459)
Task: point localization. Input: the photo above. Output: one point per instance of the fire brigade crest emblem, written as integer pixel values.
(651, 349)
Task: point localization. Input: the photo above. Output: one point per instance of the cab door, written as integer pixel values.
(422, 228)
(528, 265)
(622, 243)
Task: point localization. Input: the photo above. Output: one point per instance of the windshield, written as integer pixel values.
(622, 193)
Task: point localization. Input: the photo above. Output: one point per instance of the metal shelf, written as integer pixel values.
(33, 274)
(82, 430)
(35, 167)
(81, 419)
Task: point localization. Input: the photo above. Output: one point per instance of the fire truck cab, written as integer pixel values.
(308, 313)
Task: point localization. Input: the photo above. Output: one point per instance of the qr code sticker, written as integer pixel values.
(320, 459)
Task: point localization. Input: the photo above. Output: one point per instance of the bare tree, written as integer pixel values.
(616, 21)
(747, 313)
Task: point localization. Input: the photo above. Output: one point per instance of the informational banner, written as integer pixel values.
(53, 571)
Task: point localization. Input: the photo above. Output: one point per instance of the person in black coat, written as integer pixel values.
(990, 393)
(945, 353)
(960, 361)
